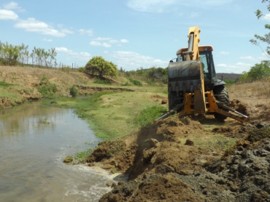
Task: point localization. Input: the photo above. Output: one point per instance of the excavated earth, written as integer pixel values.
(185, 159)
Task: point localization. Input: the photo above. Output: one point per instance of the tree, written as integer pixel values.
(9, 54)
(97, 66)
(266, 37)
(257, 72)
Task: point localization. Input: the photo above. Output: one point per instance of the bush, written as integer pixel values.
(257, 72)
(46, 88)
(102, 81)
(98, 66)
(73, 91)
(135, 82)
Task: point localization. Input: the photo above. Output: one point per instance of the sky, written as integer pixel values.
(136, 34)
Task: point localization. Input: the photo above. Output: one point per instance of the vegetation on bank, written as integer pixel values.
(113, 115)
(257, 72)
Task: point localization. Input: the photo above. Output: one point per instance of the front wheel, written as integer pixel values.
(222, 97)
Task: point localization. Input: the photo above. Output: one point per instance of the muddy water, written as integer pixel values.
(33, 143)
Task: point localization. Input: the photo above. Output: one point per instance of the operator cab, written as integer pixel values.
(206, 58)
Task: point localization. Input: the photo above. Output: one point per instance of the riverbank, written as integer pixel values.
(112, 111)
(21, 84)
(180, 159)
(177, 159)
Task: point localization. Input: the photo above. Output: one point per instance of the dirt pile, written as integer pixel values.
(239, 106)
(113, 155)
(169, 161)
(246, 169)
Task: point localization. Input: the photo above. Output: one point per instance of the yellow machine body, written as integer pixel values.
(186, 82)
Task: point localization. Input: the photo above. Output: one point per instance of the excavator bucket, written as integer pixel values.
(186, 82)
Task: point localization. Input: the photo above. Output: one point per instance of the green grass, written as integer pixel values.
(113, 115)
(80, 157)
(10, 93)
(46, 88)
(3, 84)
(148, 115)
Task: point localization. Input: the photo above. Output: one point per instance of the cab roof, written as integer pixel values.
(201, 49)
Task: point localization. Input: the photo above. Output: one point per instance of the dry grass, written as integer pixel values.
(255, 93)
(30, 77)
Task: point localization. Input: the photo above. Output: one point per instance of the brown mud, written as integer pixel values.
(180, 159)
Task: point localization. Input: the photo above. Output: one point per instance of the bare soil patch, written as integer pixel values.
(180, 159)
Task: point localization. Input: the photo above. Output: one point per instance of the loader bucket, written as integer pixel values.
(186, 77)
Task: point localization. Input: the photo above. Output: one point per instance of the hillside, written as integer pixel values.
(20, 84)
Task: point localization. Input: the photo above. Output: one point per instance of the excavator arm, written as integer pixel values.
(192, 52)
(186, 84)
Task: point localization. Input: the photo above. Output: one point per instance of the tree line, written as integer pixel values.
(257, 72)
(20, 55)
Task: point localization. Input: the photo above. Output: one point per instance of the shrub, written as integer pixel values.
(135, 82)
(46, 88)
(102, 81)
(73, 91)
(98, 66)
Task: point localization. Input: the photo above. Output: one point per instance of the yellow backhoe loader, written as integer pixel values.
(193, 87)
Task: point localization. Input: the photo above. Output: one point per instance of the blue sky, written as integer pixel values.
(135, 33)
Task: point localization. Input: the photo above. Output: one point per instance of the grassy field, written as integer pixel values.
(113, 115)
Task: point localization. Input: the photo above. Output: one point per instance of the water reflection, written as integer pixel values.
(33, 142)
(27, 118)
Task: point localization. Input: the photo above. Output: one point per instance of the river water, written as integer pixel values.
(34, 140)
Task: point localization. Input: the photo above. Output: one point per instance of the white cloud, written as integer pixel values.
(47, 40)
(33, 25)
(87, 32)
(267, 16)
(132, 60)
(160, 6)
(13, 6)
(107, 42)
(211, 2)
(244, 63)
(238, 67)
(81, 56)
(224, 53)
(248, 57)
(157, 6)
(8, 15)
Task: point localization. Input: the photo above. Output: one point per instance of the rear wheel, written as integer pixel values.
(222, 97)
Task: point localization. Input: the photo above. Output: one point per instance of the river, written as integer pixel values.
(34, 140)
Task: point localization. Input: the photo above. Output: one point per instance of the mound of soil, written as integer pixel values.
(166, 162)
(239, 106)
(246, 169)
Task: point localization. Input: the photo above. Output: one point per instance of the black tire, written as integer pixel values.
(222, 97)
